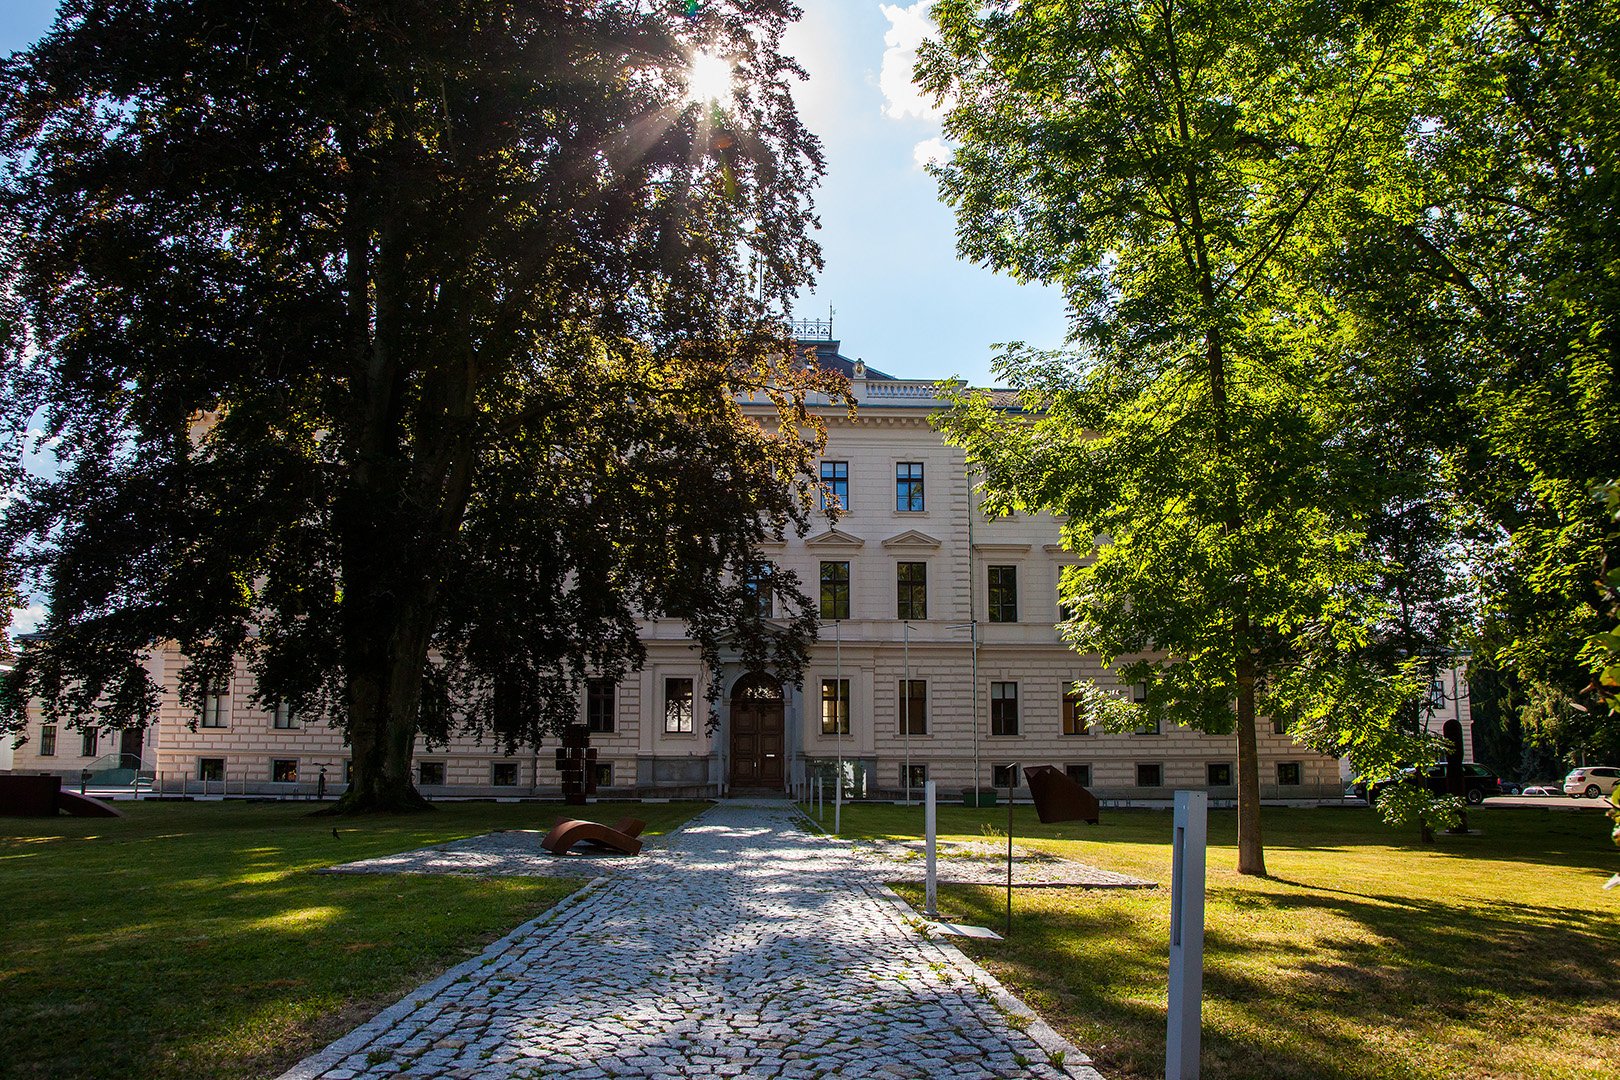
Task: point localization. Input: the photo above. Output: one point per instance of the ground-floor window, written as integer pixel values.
(348, 771)
(603, 771)
(211, 768)
(87, 743)
(284, 770)
(47, 741)
(678, 706)
(1003, 708)
(1289, 773)
(1074, 714)
(599, 705)
(835, 706)
(503, 774)
(1004, 775)
(915, 776)
(430, 773)
(1149, 774)
(1219, 773)
(1080, 774)
(914, 706)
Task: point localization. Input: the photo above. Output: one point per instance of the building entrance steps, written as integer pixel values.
(744, 946)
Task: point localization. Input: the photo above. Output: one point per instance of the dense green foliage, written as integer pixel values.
(371, 332)
(1346, 345)
(1257, 513)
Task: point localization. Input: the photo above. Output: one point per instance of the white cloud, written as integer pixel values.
(25, 620)
(930, 152)
(908, 26)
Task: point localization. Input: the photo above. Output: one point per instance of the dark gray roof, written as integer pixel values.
(828, 358)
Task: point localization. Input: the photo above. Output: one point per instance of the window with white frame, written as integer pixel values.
(1005, 775)
(759, 590)
(1003, 708)
(599, 705)
(1074, 713)
(913, 706)
(835, 485)
(1003, 594)
(216, 703)
(908, 487)
(282, 716)
(911, 591)
(835, 590)
(678, 706)
(835, 706)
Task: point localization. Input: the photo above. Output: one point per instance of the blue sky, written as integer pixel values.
(903, 300)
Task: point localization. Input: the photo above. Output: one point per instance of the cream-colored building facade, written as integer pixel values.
(923, 601)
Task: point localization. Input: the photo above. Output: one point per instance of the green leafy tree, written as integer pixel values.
(1183, 171)
(1497, 267)
(397, 346)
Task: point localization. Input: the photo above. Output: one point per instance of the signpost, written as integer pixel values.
(1186, 936)
(930, 828)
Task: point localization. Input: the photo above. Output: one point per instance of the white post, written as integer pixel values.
(1186, 935)
(929, 829)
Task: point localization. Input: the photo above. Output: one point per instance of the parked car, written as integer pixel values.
(1478, 782)
(1543, 789)
(1592, 781)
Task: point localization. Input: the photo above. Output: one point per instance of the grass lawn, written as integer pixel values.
(191, 940)
(1366, 955)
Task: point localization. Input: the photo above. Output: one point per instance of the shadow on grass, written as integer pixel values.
(194, 941)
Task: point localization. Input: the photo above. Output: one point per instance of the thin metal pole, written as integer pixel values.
(905, 704)
(838, 723)
(973, 624)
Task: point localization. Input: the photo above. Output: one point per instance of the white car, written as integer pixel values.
(1592, 781)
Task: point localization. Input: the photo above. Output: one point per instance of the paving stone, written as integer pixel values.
(739, 946)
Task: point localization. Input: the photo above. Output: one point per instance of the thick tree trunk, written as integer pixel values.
(385, 689)
(1251, 848)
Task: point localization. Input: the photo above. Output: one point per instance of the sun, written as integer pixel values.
(708, 78)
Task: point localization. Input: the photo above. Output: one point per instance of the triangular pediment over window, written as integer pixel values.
(835, 538)
(911, 538)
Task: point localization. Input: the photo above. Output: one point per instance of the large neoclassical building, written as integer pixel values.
(938, 660)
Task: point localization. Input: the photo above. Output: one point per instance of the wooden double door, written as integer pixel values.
(757, 750)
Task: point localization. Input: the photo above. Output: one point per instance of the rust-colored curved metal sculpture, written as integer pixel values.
(620, 837)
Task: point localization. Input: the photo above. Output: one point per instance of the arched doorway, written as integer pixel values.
(756, 732)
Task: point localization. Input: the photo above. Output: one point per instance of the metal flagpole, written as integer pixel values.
(838, 723)
(905, 700)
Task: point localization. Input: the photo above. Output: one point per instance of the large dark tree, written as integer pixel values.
(396, 345)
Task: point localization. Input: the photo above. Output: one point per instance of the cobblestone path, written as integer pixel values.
(743, 947)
